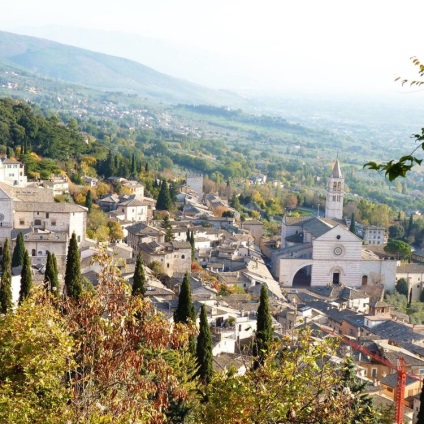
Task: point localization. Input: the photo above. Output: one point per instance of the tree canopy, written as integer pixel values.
(398, 247)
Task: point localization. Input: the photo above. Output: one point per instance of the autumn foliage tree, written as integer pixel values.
(296, 383)
(110, 358)
(36, 353)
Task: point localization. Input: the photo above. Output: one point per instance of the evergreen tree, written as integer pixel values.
(420, 416)
(26, 278)
(107, 168)
(422, 296)
(133, 165)
(89, 201)
(186, 311)
(116, 163)
(362, 406)
(410, 225)
(166, 225)
(402, 287)
(18, 256)
(204, 348)
(73, 279)
(139, 282)
(193, 246)
(51, 279)
(146, 168)
(188, 235)
(352, 227)
(264, 329)
(173, 191)
(164, 202)
(6, 280)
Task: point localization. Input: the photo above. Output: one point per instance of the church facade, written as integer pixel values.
(320, 251)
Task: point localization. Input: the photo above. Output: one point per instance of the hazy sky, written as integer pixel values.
(306, 45)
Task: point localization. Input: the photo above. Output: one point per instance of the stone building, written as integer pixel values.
(375, 235)
(195, 181)
(12, 172)
(174, 256)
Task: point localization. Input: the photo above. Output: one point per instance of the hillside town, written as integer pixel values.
(318, 272)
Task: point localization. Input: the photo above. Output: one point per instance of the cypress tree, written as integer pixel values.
(352, 227)
(108, 167)
(18, 256)
(193, 246)
(188, 235)
(133, 165)
(264, 329)
(139, 283)
(420, 416)
(26, 278)
(186, 311)
(146, 168)
(166, 225)
(204, 348)
(51, 279)
(410, 224)
(164, 202)
(6, 280)
(73, 280)
(89, 200)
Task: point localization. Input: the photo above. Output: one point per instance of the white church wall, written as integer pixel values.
(380, 271)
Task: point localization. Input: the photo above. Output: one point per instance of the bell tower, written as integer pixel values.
(335, 193)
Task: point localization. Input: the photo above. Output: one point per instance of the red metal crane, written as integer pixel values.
(399, 367)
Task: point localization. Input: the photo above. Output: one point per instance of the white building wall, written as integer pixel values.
(380, 271)
(195, 181)
(349, 272)
(135, 213)
(6, 224)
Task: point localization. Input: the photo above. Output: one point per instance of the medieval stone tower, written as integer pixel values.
(335, 193)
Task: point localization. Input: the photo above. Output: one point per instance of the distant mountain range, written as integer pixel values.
(43, 58)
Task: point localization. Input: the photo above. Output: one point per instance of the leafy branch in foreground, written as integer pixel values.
(417, 83)
(394, 169)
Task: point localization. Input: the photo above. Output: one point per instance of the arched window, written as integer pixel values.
(37, 222)
(364, 280)
(33, 252)
(182, 256)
